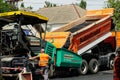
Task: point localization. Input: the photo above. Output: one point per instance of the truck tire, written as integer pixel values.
(83, 68)
(93, 66)
(111, 62)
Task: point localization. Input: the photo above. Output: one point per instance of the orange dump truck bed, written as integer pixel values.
(82, 34)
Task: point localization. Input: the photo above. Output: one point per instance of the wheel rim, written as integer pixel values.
(95, 66)
(111, 63)
(83, 68)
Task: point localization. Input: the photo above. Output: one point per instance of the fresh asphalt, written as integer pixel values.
(101, 75)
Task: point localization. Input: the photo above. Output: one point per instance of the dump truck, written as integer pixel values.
(89, 37)
(16, 41)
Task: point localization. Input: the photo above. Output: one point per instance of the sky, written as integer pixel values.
(36, 4)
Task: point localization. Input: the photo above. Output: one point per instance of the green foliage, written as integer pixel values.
(22, 5)
(116, 17)
(4, 7)
(30, 7)
(48, 4)
(82, 4)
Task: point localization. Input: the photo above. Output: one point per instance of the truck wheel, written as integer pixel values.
(83, 68)
(111, 62)
(93, 66)
(51, 70)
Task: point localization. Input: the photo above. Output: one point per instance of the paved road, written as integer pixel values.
(101, 75)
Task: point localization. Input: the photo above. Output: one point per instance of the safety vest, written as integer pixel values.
(116, 75)
(44, 58)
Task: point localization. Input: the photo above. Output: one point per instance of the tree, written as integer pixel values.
(82, 4)
(4, 7)
(116, 16)
(22, 7)
(48, 4)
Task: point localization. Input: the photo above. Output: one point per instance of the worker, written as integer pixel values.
(43, 63)
(116, 75)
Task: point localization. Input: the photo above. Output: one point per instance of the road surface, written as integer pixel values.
(101, 75)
